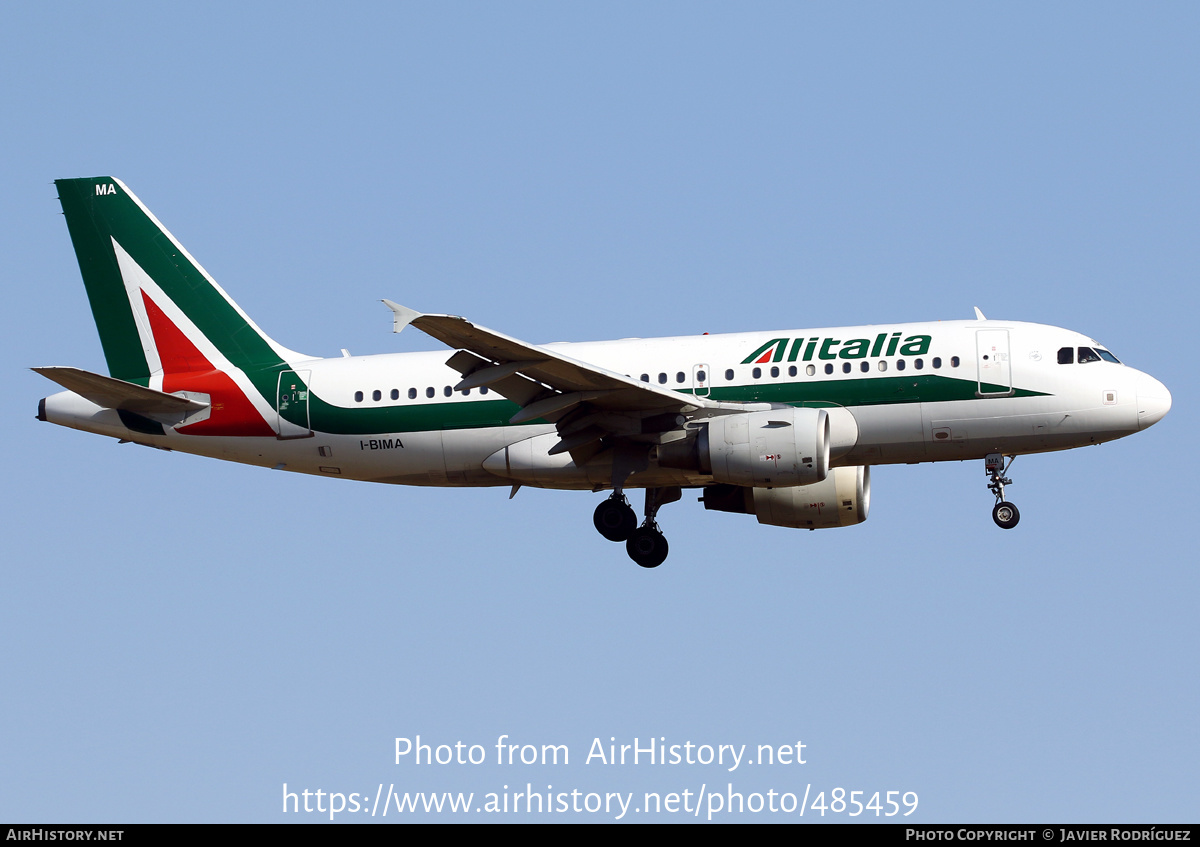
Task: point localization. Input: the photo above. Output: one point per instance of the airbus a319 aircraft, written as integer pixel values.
(781, 425)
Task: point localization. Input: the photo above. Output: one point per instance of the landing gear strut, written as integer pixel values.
(614, 518)
(647, 546)
(1005, 514)
(616, 521)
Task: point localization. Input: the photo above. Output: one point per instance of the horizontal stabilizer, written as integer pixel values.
(118, 394)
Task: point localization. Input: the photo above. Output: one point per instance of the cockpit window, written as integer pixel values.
(1106, 356)
(1087, 354)
(1066, 355)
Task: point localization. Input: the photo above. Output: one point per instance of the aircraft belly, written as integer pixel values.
(430, 458)
(464, 452)
(887, 434)
(1032, 425)
(529, 462)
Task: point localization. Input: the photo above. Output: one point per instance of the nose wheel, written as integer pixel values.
(1005, 514)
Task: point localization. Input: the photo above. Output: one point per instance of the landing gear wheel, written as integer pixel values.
(1005, 515)
(647, 547)
(614, 518)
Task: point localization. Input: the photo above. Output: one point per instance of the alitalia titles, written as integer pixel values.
(806, 349)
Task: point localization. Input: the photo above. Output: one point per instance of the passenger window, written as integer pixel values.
(645, 377)
(845, 367)
(954, 361)
(412, 394)
(483, 390)
(357, 396)
(792, 370)
(729, 375)
(679, 377)
(1087, 354)
(756, 373)
(810, 370)
(429, 392)
(775, 373)
(376, 395)
(864, 366)
(1066, 355)
(447, 391)
(828, 368)
(395, 393)
(701, 376)
(919, 364)
(901, 364)
(937, 361)
(883, 364)
(465, 392)
(662, 379)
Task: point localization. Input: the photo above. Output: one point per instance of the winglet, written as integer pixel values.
(402, 316)
(978, 315)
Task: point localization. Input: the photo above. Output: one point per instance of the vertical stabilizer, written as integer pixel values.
(153, 303)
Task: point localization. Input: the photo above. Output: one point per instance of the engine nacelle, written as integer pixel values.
(780, 447)
(843, 498)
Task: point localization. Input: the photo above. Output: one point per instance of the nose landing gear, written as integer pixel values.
(1005, 514)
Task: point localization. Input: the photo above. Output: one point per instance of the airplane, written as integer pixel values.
(782, 425)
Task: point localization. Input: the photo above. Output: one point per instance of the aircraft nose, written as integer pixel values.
(1154, 401)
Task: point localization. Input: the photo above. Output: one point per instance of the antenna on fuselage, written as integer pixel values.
(979, 315)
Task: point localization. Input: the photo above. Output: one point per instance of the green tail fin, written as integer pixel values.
(127, 256)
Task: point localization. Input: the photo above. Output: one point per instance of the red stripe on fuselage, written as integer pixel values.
(185, 368)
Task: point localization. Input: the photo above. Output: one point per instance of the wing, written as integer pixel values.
(586, 402)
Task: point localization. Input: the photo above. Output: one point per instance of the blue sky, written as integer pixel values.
(181, 637)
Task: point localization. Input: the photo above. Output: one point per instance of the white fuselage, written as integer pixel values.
(975, 388)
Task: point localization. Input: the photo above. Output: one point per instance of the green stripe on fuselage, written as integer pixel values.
(875, 391)
(473, 414)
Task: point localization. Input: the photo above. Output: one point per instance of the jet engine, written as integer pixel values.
(778, 447)
(843, 498)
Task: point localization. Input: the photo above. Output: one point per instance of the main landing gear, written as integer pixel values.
(615, 520)
(1005, 514)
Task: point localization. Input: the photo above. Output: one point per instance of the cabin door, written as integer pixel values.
(291, 405)
(994, 367)
(701, 377)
